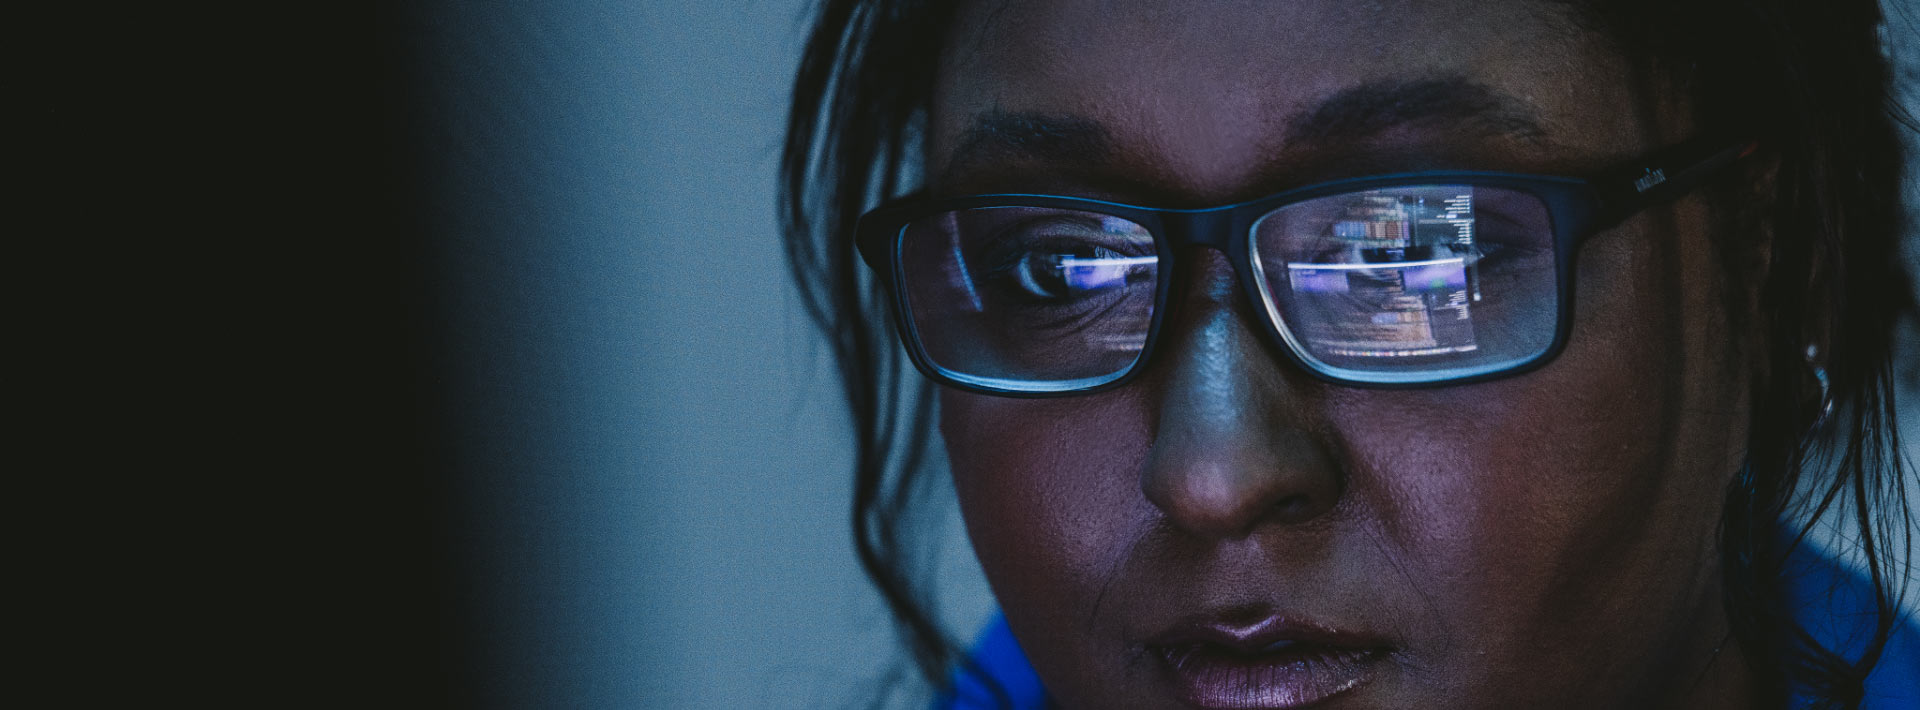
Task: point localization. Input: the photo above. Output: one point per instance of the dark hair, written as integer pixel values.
(1807, 80)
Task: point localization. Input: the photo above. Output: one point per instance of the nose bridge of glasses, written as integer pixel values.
(1211, 228)
(1221, 229)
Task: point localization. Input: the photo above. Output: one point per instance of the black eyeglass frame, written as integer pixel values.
(1577, 208)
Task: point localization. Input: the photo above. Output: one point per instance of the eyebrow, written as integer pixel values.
(1058, 137)
(1350, 115)
(1368, 109)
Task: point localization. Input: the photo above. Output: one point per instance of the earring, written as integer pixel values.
(1826, 387)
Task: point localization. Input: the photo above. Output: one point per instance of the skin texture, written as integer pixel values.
(1543, 540)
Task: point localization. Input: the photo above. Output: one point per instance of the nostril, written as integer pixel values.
(1295, 508)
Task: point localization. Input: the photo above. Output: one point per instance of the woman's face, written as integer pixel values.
(1226, 531)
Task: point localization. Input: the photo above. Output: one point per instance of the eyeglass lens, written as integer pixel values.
(1411, 284)
(1030, 298)
(1402, 284)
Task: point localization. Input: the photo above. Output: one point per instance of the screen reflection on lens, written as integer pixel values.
(1410, 282)
(1028, 297)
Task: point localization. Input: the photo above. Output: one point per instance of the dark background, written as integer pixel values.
(228, 489)
(422, 354)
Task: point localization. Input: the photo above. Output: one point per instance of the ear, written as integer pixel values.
(1753, 261)
(1782, 281)
(1816, 331)
(1797, 290)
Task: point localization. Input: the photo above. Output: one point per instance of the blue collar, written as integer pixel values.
(1834, 603)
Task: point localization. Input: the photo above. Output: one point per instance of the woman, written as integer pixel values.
(1402, 354)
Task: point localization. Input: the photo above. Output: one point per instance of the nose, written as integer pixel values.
(1232, 446)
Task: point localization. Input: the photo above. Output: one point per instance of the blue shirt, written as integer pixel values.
(1833, 602)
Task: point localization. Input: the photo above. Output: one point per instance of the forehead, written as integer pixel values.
(1211, 93)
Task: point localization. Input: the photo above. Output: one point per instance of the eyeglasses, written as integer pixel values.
(1405, 280)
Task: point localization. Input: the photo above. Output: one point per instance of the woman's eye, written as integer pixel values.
(1053, 259)
(1498, 254)
(1063, 275)
(1486, 254)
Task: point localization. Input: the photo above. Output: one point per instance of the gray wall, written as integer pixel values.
(651, 457)
(651, 489)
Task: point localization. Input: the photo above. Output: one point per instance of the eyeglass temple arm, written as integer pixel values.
(1626, 190)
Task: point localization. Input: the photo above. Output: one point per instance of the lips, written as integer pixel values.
(1269, 664)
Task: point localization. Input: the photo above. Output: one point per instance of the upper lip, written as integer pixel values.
(1253, 633)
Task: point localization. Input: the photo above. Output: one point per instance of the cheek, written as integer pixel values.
(1516, 483)
(1047, 490)
(1537, 502)
(1578, 438)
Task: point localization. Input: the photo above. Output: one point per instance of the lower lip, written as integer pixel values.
(1212, 677)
